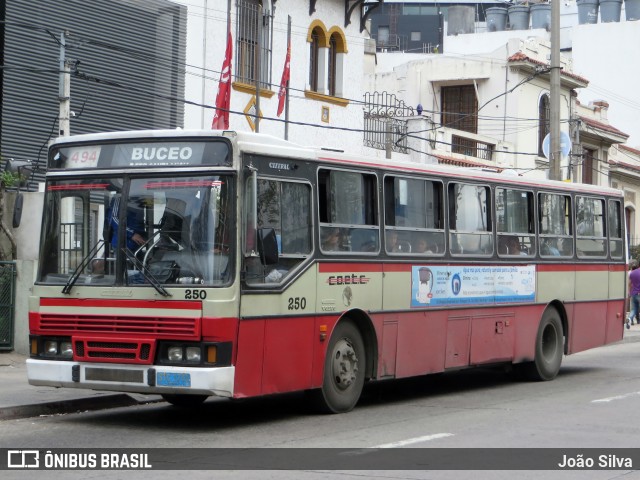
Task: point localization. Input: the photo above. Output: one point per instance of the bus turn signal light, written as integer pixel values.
(323, 333)
(212, 353)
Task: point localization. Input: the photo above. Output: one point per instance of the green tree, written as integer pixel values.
(7, 180)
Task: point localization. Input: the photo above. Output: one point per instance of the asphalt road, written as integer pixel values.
(593, 403)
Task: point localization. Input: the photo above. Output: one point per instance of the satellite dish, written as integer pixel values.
(565, 144)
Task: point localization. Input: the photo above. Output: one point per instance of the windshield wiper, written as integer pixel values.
(83, 263)
(146, 273)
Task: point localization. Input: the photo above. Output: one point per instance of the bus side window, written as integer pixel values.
(284, 208)
(470, 219)
(515, 226)
(614, 224)
(554, 220)
(348, 201)
(413, 216)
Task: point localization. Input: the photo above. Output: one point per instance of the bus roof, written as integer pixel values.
(266, 144)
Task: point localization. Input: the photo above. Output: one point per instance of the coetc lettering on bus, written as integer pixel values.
(161, 154)
(352, 279)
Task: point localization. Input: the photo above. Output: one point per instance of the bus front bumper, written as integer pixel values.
(151, 379)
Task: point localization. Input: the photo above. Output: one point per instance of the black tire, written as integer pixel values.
(344, 371)
(184, 401)
(549, 349)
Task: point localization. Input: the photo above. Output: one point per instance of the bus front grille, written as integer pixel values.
(134, 351)
(158, 327)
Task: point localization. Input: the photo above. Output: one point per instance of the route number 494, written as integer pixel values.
(297, 303)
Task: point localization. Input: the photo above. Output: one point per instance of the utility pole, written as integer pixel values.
(554, 100)
(258, 67)
(64, 93)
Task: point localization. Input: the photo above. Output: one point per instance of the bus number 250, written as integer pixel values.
(195, 294)
(297, 303)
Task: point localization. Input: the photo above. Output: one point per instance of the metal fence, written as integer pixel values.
(7, 304)
(384, 123)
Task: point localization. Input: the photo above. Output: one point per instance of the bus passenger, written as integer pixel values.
(510, 245)
(422, 246)
(392, 241)
(331, 240)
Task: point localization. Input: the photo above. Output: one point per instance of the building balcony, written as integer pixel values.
(473, 147)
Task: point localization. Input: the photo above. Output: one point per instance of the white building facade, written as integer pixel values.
(483, 108)
(327, 61)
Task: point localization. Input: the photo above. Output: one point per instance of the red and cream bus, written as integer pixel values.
(251, 266)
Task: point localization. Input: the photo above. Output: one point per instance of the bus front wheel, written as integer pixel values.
(549, 348)
(344, 370)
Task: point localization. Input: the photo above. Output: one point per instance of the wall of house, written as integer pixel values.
(207, 40)
(507, 120)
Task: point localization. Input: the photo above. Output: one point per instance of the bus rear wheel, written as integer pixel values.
(549, 349)
(184, 401)
(344, 370)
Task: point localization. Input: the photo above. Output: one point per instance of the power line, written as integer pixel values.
(144, 55)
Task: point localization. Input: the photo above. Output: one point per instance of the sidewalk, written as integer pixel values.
(18, 399)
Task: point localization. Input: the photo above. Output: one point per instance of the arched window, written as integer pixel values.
(544, 124)
(327, 50)
(314, 53)
(331, 83)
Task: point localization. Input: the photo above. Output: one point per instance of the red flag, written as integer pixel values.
(282, 93)
(223, 99)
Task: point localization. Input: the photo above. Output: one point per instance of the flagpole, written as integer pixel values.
(286, 100)
(223, 97)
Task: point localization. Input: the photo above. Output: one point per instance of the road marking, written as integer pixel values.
(617, 397)
(409, 441)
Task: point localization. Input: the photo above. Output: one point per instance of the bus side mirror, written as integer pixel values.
(17, 210)
(267, 246)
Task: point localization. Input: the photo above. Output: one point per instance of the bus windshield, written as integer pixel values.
(138, 231)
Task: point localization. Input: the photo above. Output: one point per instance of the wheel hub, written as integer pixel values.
(345, 364)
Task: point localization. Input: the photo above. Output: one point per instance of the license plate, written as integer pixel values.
(167, 379)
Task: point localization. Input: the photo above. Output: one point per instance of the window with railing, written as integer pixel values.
(253, 43)
(473, 148)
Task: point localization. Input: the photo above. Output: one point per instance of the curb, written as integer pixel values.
(71, 406)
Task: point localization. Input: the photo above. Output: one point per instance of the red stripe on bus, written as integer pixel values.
(95, 303)
(397, 267)
(349, 267)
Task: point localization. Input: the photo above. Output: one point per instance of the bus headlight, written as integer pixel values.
(66, 349)
(50, 347)
(174, 354)
(193, 354)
